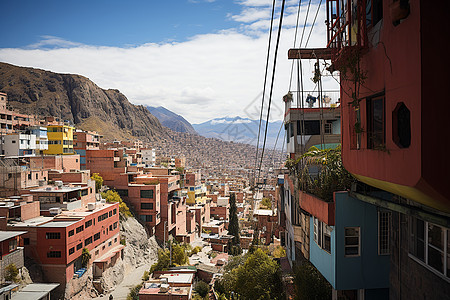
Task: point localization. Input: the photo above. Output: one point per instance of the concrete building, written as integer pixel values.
(85, 140)
(18, 144)
(10, 252)
(60, 138)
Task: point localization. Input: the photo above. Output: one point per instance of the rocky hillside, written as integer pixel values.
(171, 120)
(79, 100)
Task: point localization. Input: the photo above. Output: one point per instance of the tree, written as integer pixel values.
(279, 252)
(202, 288)
(254, 276)
(98, 181)
(85, 257)
(134, 292)
(266, 203)
(233, 227)
(179, 258)
(11, 272)
(112, 196)
(310, 284)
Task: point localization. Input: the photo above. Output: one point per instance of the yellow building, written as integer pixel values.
(60, 139)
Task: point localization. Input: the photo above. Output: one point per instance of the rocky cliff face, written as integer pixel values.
(171, 120)
(77, 99)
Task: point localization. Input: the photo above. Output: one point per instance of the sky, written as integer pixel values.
(202, 59)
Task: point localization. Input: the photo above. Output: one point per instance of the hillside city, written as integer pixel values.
(354, 206)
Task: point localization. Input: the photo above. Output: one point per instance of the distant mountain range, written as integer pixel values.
(171, 120)
(242, 130)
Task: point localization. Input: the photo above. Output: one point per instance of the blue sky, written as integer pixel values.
(202, 59)
(112, 22)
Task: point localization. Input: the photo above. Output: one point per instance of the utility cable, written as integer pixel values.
(295, 40)
(265, 83)
(271, 85)
(312, 26)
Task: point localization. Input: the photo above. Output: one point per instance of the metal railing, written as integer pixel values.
(312, 99)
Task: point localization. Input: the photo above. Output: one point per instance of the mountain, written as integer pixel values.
(171, 120)
(77, 99)
(242, 130)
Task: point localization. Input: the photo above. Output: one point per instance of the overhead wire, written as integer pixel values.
(295, 40)
(265, 83)
(271, 85)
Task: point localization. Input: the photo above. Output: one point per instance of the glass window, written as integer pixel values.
(97, 236)
(71, 232)
(375, 124)
(383, 232)
(436, 247)
(146, 218)
(79, 246)
(54, 254)
(72, 250)
(147, 194)
(80, 229)
(88, 223)
(146, 205)
(52, 235)
(352, 241)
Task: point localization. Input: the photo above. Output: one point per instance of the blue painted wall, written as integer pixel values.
(367, 271)
(325, 262)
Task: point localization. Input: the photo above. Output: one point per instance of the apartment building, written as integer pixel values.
(389, 137)
(56, 242)
(10, 121)
(60, 138)
(85, 140)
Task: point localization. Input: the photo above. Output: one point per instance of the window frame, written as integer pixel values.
(352, 246)
(384, 250)
(445, 274)
(142, 194)
(371, 133)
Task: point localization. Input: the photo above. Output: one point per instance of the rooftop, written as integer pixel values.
(6, 235)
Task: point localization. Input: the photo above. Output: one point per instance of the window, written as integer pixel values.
(29, 176)
(54, 254)
(146, 205)
(88, 223)
(384, 220)
(146, 218)
(115, 225)
(352, 238)
(97, 236)
(122, 193)
(71, 232)
(430, 244)
(110, 213)
(375, 122)
(88, 241)
(147, 194)
(52, 235)
(72, 250)
(26, 241)
(103, 217)
(322, 235)
(311, 127)
(79, 246)
(12, 245)
(115, 211)
(80, 229)
(374, 12)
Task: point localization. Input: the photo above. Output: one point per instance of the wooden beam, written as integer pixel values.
(404, 209)
(314, 53)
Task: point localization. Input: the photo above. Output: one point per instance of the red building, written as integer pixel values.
(56, 243)
(85, 140)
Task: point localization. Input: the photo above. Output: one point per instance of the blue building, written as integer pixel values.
(353, 253)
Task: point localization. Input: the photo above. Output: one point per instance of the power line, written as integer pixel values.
(312, 26)
(271, 85)
(295, 40)
(265, 83)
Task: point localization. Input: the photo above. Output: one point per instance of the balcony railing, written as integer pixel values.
(314, 99)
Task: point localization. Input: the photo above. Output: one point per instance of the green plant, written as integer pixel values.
(329, 174)
(112, 196)
(98, 181)
(310, 284)
(202, 288)
(134, 292)
(85, 257)
(11, 272)
(123, 241)
(146, 276)
(358, 127)
(279, 252)
(266, 203)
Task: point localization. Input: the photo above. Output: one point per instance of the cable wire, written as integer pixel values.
(271, 85)
(265, 83)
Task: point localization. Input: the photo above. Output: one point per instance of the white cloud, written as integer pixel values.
(224, 121)
(209, 76)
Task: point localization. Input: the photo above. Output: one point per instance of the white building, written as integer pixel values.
(18, 144)
(149, 157)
